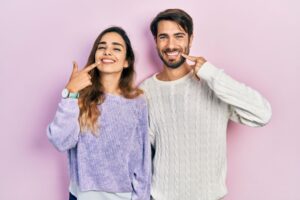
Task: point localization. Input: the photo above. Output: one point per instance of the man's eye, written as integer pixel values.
(162, 37)
(179, 36)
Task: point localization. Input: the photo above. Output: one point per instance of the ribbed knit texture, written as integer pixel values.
(118, 160)
(188, 123)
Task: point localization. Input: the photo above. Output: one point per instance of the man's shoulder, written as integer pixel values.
(147, 83)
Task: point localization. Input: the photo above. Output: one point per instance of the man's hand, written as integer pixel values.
(199, 61)
(80, 79)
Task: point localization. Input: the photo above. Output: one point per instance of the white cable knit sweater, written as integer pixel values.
(188, 123)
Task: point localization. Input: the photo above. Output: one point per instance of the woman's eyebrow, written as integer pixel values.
(114, 43)
(101, 43)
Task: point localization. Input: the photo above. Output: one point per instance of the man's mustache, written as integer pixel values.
(170, 50)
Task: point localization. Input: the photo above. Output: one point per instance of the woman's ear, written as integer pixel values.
(126, 64)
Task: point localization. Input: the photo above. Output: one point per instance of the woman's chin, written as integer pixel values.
(109, 72)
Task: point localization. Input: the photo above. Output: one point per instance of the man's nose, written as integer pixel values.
(171, 43)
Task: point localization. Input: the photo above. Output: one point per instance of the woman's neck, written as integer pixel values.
(110, 83)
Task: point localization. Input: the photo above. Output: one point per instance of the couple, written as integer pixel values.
(107, 125)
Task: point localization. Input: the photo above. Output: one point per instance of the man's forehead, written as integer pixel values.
(169, 27)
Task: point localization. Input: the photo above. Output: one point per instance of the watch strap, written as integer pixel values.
(73, 95)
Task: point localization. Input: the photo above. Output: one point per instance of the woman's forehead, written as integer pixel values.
(111, 38)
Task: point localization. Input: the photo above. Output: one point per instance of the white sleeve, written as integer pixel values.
(246, 105)
(150, 125)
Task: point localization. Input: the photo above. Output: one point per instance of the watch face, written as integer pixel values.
(65, 93)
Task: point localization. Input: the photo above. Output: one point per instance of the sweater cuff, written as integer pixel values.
(208, 71)
(69, 103)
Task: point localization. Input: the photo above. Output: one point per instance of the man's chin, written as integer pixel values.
(174, 65)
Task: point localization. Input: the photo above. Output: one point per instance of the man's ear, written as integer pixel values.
(191, 40)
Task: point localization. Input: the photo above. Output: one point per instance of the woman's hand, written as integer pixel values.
(80, 79)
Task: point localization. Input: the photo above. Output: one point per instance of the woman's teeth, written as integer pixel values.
(107, 61)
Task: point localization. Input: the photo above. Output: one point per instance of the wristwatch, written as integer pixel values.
(67, 94)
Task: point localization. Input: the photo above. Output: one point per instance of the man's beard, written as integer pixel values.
(173, 65)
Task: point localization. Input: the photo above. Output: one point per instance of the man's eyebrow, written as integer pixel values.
(162, 34)
(176, 34)
(180, 33)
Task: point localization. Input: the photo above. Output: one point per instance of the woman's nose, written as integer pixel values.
(107, 52)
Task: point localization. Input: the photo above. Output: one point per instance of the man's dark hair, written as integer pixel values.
(177, 15)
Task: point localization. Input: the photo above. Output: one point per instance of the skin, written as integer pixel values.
(110, 59)
(173, 44)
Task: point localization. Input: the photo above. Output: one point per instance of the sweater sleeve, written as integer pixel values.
(246, 105)
(151, 131)
(142, 170)
(64, 130)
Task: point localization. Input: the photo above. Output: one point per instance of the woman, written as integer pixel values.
(102, 122)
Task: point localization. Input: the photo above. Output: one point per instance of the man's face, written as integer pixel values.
(171, 42)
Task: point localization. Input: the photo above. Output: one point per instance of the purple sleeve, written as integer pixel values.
(64, 130)
(142, 170)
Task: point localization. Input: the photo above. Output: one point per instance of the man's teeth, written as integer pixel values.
(108, 61)
(174, 53)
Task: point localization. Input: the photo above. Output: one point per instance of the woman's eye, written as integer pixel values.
(101, 48)
(116, 49)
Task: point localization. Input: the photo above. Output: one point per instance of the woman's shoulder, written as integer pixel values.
(137, 96)
(141, 100)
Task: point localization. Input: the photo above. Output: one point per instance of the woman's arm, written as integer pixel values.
(142, 170)
(63, 131)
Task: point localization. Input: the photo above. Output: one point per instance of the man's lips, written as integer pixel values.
(172, 54)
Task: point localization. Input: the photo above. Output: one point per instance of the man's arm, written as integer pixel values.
(247, 106)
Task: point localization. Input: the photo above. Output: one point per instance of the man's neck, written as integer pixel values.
(169, 74)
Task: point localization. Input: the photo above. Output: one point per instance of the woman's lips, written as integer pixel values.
(107, 61)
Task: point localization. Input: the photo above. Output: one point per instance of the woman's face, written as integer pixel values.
(111, 53)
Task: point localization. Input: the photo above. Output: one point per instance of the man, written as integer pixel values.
(189, 108)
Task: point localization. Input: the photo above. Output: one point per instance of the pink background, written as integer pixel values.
(256, 42)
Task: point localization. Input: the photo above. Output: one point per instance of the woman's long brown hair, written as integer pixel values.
(91, 96)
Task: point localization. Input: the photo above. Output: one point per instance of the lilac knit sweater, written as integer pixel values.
(118, 160)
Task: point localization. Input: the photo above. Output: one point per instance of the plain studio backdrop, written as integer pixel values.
(256, 42)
